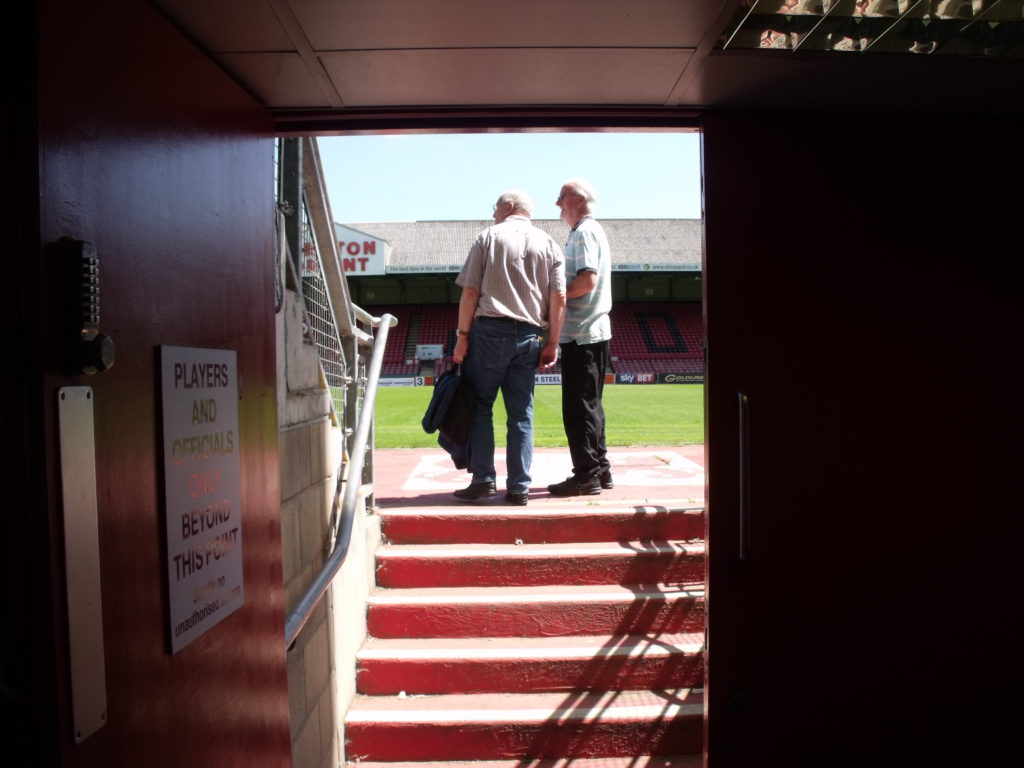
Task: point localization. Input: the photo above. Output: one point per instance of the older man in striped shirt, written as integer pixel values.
(585, 336)
(510, 319)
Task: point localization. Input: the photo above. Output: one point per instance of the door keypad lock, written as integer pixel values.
(86, 349)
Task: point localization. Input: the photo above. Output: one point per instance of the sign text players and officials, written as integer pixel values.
(202, 489)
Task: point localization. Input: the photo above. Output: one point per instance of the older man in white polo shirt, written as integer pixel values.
(584, 342)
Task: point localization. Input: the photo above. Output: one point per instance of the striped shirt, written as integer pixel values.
(586, 316)
(515, 266)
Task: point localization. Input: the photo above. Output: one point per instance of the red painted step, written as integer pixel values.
(544, 725)
(638, 761)
(492, 665)
(546, 611)
(559, 635)
(472, 525)
(488, 565)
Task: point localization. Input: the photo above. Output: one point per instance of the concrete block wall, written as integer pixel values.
(321, 663)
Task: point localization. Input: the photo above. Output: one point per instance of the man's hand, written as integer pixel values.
(467, 309)
(461, 347)
(549, 355)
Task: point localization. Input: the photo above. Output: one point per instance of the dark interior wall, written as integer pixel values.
(148, 151)
(868, 622)
(20, 472)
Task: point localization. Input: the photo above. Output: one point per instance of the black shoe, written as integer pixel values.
(573, 486)
(606, 480)
(519, 499)
(476, 491)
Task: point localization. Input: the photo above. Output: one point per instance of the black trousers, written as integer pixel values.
(583, 367)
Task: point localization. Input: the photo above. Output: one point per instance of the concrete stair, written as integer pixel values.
(516, 565)
(511, 725)
(473, 525)
(533, 664)
(552, 635)
(641, 761)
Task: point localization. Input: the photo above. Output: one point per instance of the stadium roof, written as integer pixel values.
(637, 244)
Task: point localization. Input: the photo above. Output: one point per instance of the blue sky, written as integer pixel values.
(458, 176)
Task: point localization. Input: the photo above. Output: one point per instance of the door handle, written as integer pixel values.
(85, 349)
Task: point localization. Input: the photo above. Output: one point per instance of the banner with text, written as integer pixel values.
(202, 489)
(680, 378)
(360, 253)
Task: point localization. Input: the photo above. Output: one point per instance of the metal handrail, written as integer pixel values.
(303, 609)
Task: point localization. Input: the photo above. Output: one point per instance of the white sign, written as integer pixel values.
(547, 378)
(202, 489)
(360, 253)
(401, 381)
(429, 351)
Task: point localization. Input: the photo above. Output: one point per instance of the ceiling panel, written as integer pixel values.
(228, 25)
(279, 80)
(389, 24)
(505, 76)
(333, 55)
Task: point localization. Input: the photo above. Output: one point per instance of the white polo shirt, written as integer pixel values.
(586, 316)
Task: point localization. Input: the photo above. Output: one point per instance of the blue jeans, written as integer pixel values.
(503, 354)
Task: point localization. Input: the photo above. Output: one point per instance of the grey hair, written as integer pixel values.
(584, 188)
(519, 199)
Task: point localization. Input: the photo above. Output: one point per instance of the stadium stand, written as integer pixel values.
(655, 262)
(395, 349)
(659, 337)
(396, 362)
(437, 325)
(654, 337)
(399, 368)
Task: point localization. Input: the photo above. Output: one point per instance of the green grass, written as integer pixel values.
(637, 414)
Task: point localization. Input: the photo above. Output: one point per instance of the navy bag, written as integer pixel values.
(450, 408)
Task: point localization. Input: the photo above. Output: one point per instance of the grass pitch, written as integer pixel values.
(636, 414)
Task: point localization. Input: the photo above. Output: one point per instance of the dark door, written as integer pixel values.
(862, 437)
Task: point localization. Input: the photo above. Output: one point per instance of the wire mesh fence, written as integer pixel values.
(323, 329)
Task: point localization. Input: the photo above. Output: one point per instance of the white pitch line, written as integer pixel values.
(435, 472)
